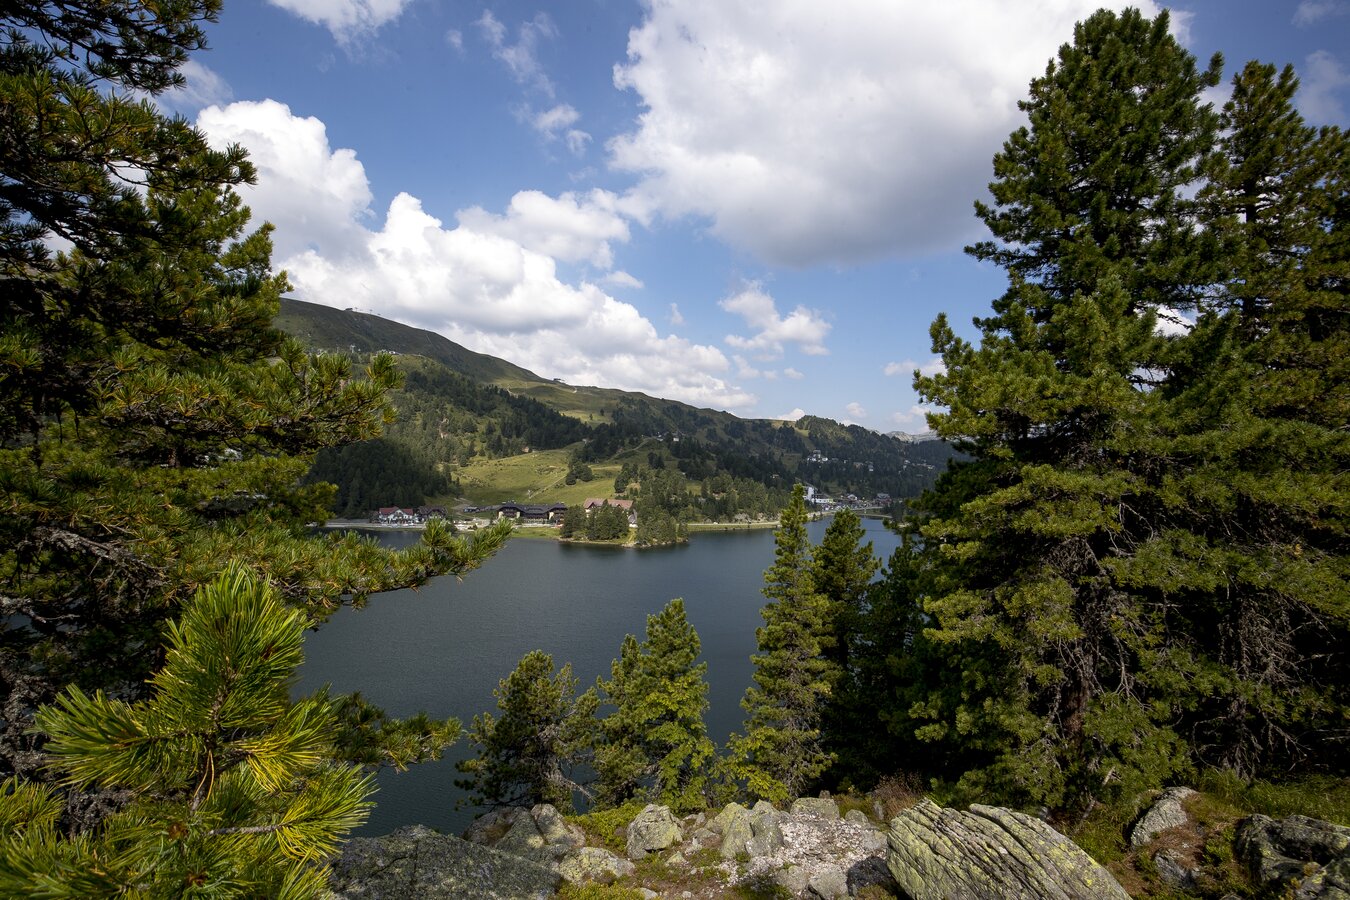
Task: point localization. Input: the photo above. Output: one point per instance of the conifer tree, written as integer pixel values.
(233, 792)
(154, 426)
(781, 752)
(655, 744)
(1136, 573)
(529, 753)
(1041, 698)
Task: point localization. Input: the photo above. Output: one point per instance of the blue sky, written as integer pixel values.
(753, 206)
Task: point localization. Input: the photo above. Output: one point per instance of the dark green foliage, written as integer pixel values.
(654, 744)
(155, 430)
(607, 523)
(376, 473)
(528, 753)
(781, 752)
(1141, 570)
(233, 792)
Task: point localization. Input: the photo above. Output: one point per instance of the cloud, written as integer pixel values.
(554, 123)
(570, 227)
(791, 416)
(455, 38)
(347, 20)
(203, 87)
(934, 366)
(803, 327)
(913, 419)
(1171, 322)
(1310, 12)
(793, 374)
(521, 58)
(856, 410)
(623, 279)
(675, 318)
(489, 283)
(1323, 78)
(807, 132)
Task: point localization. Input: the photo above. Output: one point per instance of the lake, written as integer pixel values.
(445, 647)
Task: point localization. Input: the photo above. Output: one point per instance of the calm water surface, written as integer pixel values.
(444, 648)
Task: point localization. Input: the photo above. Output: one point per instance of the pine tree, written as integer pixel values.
(528, 754)
(1042, 697)
(781, 752)
(154, 426)
(1136, 574)
(654, 744)
(233, 793)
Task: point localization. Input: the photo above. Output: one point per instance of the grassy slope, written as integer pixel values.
(536, 477)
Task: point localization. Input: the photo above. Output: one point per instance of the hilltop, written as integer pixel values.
(459, 410)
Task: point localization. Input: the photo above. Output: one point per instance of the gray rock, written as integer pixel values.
(524, 839)
(594, 864)
(857, 817)
(870, 870)
(1308, 855)
(792, 879)
(560, 836)
(872, 840)
(655, 828)
(677, 860)
(704, 835)
(990, 853)
(1166, 812)
(819, 807)
(648, 894)
(736, 832)
(722, 819)
(829, 883)
(488, 828)
(767, 834)
(1173, 872)
(417, 862)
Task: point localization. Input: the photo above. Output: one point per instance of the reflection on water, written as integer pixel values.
(444, 648)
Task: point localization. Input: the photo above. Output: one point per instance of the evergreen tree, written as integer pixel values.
(654, 744)
(1042, 639)
(1133, 574)
(232, 791)
(843, 568)
(528, 754)
(781, 752)
(154, 427)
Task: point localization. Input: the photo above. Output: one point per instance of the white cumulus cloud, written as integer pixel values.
(811, 132)
(856, 410)
(805, 328)
(570, 227)
(934, 366)
(346, 19)
(1321, 88)
(522, 57)
(490, 283)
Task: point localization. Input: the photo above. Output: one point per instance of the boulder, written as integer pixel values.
(1308, 855)
(793, 879)
(722, 819)
(1166, 812)
(489, 828)
(560, 836)
(1173, 871)
(818, 807)
(736, 831)
(594, 864)
(655, 828)
(766, 833)
(418, 862)
(990, 853)
(829, 883)
(524, 839)
(857, 817)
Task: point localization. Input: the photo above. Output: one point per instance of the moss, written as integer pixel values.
(598, 892)
(604, 826)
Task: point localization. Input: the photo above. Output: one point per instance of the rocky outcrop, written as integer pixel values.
(655, 828)
(990, 853)
(418, 862)
(1306, 858)
(1165, 813)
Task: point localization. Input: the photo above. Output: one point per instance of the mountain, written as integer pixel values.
(459, 409)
